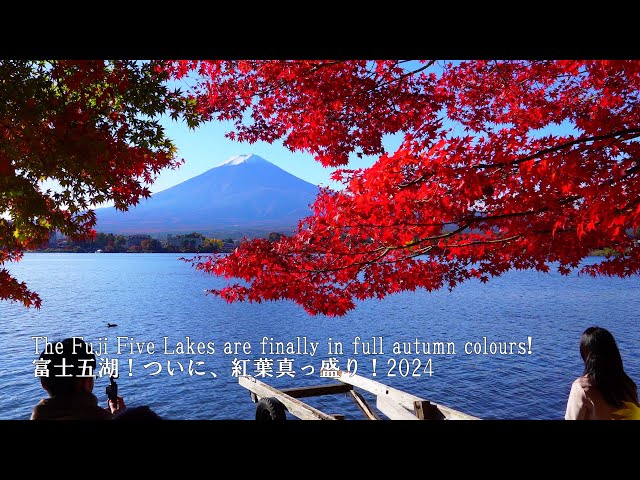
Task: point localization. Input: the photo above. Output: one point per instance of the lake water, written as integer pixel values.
(151, 296)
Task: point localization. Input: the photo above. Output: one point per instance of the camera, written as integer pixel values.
(112, 391)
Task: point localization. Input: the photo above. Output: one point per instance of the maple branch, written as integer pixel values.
(469, 221)
(629, 206)
(435, 237)
(419, 251)
(422, 251)
(404, 75)
(392, 225)
(631, 171)
(482, 242)
(415, 181)
(318, 66)
(635, 132)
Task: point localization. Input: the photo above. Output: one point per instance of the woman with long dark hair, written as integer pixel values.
(604, 386)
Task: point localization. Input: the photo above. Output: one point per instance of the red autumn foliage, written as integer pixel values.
(87, 126)
(503, 164)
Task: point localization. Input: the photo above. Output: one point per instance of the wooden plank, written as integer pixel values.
(302, 392)
(363, 405)
(393, 410)
(403, 398)
(379, 389)
(293, 405)
(451, 414)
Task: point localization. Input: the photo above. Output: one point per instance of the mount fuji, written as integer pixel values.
(245, 195)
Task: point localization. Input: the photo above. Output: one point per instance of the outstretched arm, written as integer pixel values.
(576, 405)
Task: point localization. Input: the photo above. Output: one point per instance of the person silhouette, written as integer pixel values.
(604, 386)
(69, 381)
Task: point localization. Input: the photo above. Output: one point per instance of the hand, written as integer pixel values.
(115, 409)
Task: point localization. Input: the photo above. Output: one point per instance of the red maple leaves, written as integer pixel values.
(515, 164)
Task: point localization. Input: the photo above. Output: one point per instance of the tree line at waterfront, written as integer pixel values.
(112, 243)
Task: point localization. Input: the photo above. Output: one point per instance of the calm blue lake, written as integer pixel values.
(151, 296)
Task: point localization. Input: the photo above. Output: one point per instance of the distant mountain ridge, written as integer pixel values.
(245, 194)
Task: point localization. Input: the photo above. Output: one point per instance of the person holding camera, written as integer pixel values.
(69, 380)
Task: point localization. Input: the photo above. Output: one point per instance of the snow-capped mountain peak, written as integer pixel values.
(241, 159)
